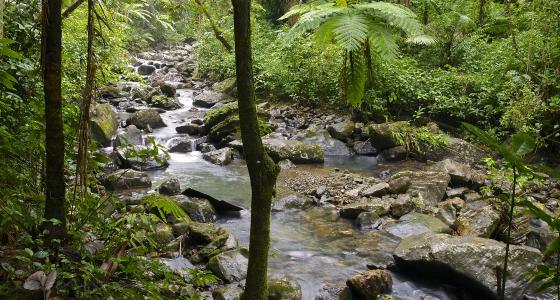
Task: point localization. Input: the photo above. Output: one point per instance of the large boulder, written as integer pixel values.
(146, 118)
(297, 152)
(208, 98)
(127, 179)
(168, 89)
(230, 266)
(146, 70)
(220, 157)
(478, 220)
(227, 86)
(370, 284)
(130, 136)
(218, 114)
(103, 123)
(429, 187)
(199, 210)
(415, 224)
(170, 187)
(165, 102)
(383, 136)
(461, 174)
(342, 130)
(375, 205)
(181, 144)
(469, 262)
(284, 289)
(330, 145)
(364, 148)
(228, 292)
(291, 202)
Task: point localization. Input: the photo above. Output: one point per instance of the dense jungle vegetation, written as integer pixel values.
(484, 73)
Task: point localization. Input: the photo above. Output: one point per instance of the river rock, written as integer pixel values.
(284, 289)
(130, 136)
(478, 221)
(168, 89)
(146, 70)
(208, 98)
(227, 86)
(103, 123)
(364, 148)
(382, 136)
(170, 187)
(376, 190)
(220, 206)
(197, 232)
(146, 118)
(220, 157)
(427, 186)
(402, 205)
(473, 260)
(286, 164)
(137, 163)
(190, 129)
(127, 179)
(292, 202)
(394, 154)
(368, 219)
(462, 174)
(163, 234)
(342, 130)
(329, 145)
(415, 224)
(297, 152)
(399, 184)
(205, 147)
(374, 205)
(199, 210)
(165, 102)
(370, 284)
(180, 144)
(219, 114)
(230, 266)
(228, 292)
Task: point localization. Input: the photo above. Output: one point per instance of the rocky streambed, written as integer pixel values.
(358, 213)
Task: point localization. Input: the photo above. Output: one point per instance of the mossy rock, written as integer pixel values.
(103, 123)
(227, 86)
(226, 127)
(383, 136)
(219, 114)
(284, 289)
(165, 102)
(144, 118)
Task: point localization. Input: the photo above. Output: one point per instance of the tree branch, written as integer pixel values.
(72, 8)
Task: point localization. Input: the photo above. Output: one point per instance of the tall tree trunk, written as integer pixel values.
(2, 5)
(481, 10)
(55, 205)
(425, 14)
(87, 95)
(262, 170)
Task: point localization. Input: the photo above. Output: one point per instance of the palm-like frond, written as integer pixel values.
(350, 30)
(421, 39)
(395, 15)
(311, 20)
(356, 79)
(382, 41)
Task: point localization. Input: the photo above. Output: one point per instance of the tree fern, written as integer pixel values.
(353, 26)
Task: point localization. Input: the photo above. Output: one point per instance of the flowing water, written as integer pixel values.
(314, 247)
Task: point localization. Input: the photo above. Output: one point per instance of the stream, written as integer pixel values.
(314, 247)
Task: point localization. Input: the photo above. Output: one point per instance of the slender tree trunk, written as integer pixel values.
(72, 8)
(2, 5)
(426, 15)
(55, 205)
(481, 10)
(83, 140)
(217, 32)
(262, 170)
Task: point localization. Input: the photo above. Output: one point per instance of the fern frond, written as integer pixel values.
(301, 9)
(311, 20)
(382, 41)
(165, 206)
(350, 31)
(421, 39)
(395, 15)
(325, 33)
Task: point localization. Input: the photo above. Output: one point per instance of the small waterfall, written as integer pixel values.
(193, 144)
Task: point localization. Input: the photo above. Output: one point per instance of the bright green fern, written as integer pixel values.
(358, 29)
(165, 206)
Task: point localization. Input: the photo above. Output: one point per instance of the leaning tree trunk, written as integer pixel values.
(87, 95)
(55, 205)
(262, 170)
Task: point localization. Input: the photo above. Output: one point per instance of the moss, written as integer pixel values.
(264, 128)
(224, 128)
(217, 115)
(104, 123)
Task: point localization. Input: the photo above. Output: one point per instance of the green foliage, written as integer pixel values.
(165, 206)
(354, 28)
(418, 139)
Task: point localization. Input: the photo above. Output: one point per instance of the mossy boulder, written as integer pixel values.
(103, 123)
(199, 210)
(230, 266)
(146, 118)
(219, 114)
(165, 102)
(296, 151)
(383, 136)
(227, 86)
(127, 179)
(284, 289)
(227, 127)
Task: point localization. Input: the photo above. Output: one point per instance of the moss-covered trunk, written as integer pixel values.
(262, 170)
(55, 205)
